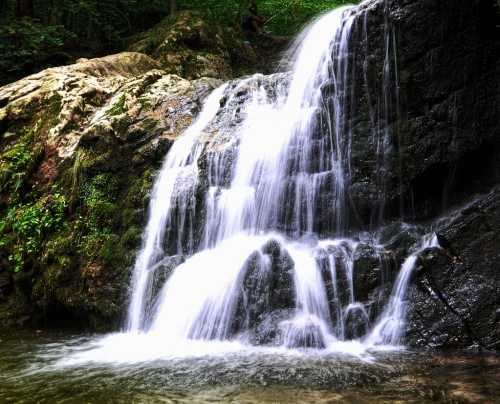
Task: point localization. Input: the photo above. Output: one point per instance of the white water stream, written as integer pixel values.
(253, 267)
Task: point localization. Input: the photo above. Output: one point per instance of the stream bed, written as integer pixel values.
(49, 368)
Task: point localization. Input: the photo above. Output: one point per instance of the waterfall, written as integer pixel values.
(391, 324)
(178, 165)
(251, 208)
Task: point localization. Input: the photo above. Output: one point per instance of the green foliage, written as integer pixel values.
(46, 34)
(16, 163)
(26, 43)
(98, 211)
(24, 227)
(119, 107)
(285, 17)
(108, 21)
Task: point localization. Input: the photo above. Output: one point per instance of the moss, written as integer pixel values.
(24, 227)
(111, 249)
(69, 127)
(17, 163)
(121, 125)
(146, 105)
(74, 177)
(138, 191)
(53, 111)
(132, 237)
(119, 107)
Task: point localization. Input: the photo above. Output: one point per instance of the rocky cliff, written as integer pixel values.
(81, 145)
(432, 87)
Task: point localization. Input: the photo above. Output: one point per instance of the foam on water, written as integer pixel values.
(290, 143)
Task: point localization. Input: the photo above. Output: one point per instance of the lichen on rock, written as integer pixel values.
(90, 136)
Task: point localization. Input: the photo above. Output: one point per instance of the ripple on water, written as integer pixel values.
(55, 368)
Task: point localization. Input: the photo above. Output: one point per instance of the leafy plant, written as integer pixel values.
(26, 43)
(285, 17)
(25, 227)
(98, 208)
(16, 163)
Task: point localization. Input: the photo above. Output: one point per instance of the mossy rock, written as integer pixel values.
(88, 139)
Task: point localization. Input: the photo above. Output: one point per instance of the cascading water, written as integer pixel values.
(254, 269)
(168, 191)
(390, 325)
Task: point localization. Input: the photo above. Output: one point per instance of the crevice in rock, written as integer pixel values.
(467, 327)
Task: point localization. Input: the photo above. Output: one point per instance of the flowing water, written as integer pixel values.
(249, 273)
(263, 217)
(37, 368)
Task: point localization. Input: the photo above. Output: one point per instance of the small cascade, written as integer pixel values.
(174, 187)
(248, 237)
(390, 326)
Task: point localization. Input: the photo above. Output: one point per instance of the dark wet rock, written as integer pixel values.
(254, 299)
(334, 301)
(270, 330)
(285, 327)
(400, 239)
(299, 333)
(335, 279)
(356, 322)
(455, 298)
(367, 273)
(268, 286)
(440, 130)
(162, 271)
(282, 276)
(377, 301)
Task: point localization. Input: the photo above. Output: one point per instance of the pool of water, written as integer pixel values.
(57, 368)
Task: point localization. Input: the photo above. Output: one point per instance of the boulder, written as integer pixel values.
(81, 145)
(455, 298)
(187, 45)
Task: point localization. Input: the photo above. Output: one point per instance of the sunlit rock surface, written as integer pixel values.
(94, 133)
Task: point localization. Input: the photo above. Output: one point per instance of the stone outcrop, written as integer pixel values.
(423, 96)
(187, 45)
(80, 148)
(442, 122)
(455, 299)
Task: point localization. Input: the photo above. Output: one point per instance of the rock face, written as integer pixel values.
(427, 96)
(425, 137)
(186, 45)
(80, 148)
(442, 116)
(455, 300)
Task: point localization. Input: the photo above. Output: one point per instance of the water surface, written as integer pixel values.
(57, 368)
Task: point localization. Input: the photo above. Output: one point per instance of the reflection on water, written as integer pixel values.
(50, 368)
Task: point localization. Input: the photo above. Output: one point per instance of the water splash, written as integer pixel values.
(390, 327)
(176, 170)
(253, 270)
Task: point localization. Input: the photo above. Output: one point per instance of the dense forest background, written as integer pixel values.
(35, 34)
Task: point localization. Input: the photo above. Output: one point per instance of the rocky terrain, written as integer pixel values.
(80, 146)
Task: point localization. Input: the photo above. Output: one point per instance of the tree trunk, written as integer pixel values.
(24, 8)
(173, 6)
